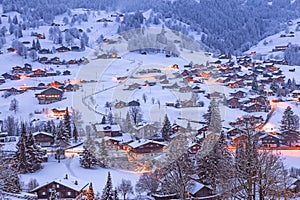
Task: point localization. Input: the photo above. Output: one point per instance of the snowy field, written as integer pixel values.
(54, 170)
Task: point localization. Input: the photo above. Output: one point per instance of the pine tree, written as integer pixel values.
(90, 194)
(87, 160)
(107, 193)
(288, 121)
(34, 154)
(103, 121)
(67, 123)
(166, 130)
(11, 181)
(20, 156)
(38, 45)
(215, 123)
(75, 133)
(33, 44)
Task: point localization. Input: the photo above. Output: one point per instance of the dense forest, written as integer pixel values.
(225, 26)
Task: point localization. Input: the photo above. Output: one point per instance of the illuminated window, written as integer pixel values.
(69, 193)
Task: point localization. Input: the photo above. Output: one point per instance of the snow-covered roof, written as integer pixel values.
(42, 133)
(296, 91)
(107, 127)
(196, 186)
(142, 142)
(69, 182)
(125, 138)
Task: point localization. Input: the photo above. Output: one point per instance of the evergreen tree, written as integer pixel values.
(87, 160)
(115, 196)
(34, 154)
(75, 133)
(103, 121)
(37, 45)
(215, 123)
(20, 156)
(33, 44)
(61, 136)
(108, 192)
(14, 105)
(274, 87)
(67, 123)
(11, 181)
(166, 130)
(288, 121)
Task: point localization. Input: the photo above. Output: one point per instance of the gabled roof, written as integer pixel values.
(196, 187)
(107, 127)
(71, 182)
(42, 133)
(142, 142)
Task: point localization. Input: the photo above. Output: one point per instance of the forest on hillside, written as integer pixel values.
(225, 26)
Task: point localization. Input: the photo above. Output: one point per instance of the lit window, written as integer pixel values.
(57, 185)
(69, 193)
(43, 193)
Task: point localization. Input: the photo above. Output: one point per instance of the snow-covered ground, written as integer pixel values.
(53, 170)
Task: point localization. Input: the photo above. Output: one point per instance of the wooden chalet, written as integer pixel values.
(234, 103)
(255, 107)
(66, 188)
(146, 131)
(270, 140)
(59, 112)
(235, 132)
(39, 73)
(111, 130)
(144, 148)
(63, 49)
(198, 190)
(50, 95)
(120, 104)
(238, 94)
(43, 139)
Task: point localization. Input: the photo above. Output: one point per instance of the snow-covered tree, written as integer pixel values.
(288, 121)
(102, 154)
(215, 122)
(11, 181)
(108, 192)
(148, 183)
(20, 155)
(67, 123)
(125, 188)
(34, 154)
(14, 105)
(87, 159)
(166, 130)
(75, 133)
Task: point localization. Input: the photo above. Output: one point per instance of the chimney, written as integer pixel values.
(76, 182)
(66, 176)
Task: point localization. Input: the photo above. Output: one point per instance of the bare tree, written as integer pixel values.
(125, 188)
(135, 113)
(147, 183)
